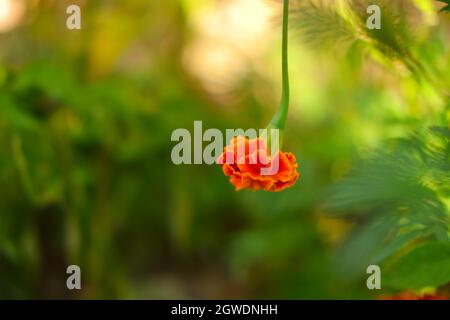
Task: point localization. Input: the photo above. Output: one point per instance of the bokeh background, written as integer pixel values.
(86, 176)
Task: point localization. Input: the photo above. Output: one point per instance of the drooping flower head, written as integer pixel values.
(248, 162)
(250, 165)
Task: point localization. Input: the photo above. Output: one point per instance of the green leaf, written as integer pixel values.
(397, 243)
(14, 116)
(425, 266)
(447, 7)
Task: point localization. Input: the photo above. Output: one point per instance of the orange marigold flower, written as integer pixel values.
(408, 295)
(249, 165)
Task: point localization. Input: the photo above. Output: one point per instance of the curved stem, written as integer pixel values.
(279, 119)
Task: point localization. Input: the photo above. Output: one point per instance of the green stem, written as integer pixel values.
(279, 119)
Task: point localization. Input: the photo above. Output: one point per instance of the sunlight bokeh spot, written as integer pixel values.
(11, 13)
(228, 35)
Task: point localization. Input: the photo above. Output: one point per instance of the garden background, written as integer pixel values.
(86, 176)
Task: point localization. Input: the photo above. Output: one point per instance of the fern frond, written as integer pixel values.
(446, 8)
(399, 196)
(325, 24)
(321, 24)
(410, 183)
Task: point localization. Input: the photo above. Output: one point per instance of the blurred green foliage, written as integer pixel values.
(86, 176)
